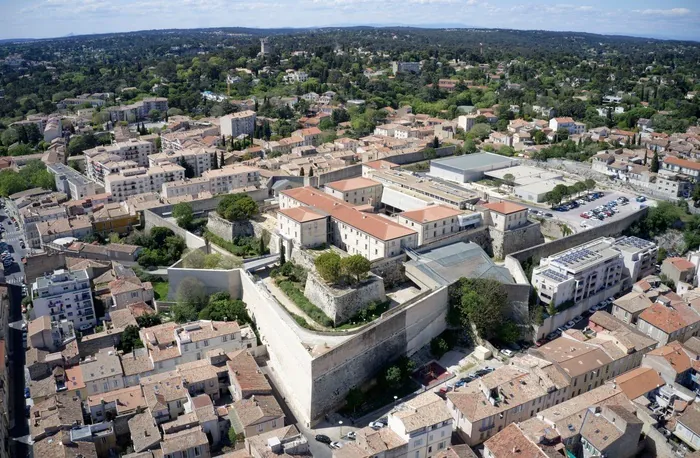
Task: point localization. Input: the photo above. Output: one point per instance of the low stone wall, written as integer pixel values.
(504, 243)
(342, 304)
(390, 270)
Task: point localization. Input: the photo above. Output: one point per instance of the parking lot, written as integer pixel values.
(573, 217)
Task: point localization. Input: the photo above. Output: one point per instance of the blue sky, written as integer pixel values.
(50, 18)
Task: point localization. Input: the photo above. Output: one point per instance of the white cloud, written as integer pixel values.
(671, 12)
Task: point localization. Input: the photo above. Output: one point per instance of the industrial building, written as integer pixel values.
(470, 167)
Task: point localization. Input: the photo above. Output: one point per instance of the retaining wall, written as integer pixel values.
(342, 304)
(611, 229)
(152, 220)
(506, 242)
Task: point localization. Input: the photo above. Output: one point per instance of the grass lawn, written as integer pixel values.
(160, 290)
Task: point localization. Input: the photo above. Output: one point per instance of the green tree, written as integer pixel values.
(191, 299)
(590, 184)
(481, 131)
(438, 347)
(328, 266)
(148, 320)
(509, 179)
(189, 170)
(356, 266)
(20, 149)
(655, 162)
(354, 399)
(183, 214)
(237, 207)
(224, 308)
(539, 137)
(469, 146)
(393, 377)
(506, 150)
(130, 339)
(154, 115)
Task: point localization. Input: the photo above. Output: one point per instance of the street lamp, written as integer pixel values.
(341, 428)
(395, 399)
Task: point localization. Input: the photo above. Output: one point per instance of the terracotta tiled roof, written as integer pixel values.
(639, 382)
(505, 208)
(301, 214)
(430, 214)
(352, 184)
(675, 355)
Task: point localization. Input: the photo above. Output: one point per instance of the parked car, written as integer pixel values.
(26, 392)
(322, 438)
(335, 445)
(541, 342)
(592, 310)
(552, 336)
(548, 215)
(507, 352)
(640, 199)
(352, 435)
(577, 319)
(561, 329)
(570, 324)
(376, 425)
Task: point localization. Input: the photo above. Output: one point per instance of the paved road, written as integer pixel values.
(20, 429)
(14, 274)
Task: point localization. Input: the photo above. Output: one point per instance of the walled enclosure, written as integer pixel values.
(342, 304)
(228, 230)
(320, 383)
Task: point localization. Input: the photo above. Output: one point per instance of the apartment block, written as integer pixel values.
(200, 159)
(71, 182)
(405, 67)
(138, 110)
(672, 164)
(580, 273)
(130, 150)
(65, 295)
(235, 124)
(351, 229)
(186, 187)
(141, 180)
(356, 191)
(639, 256)
(226, 179)
(103, 164)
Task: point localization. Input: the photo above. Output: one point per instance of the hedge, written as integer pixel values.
(303, 303)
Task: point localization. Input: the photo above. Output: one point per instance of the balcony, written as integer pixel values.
(695, 378)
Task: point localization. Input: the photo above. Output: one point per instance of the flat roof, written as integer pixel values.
(523, 174)
(472, 161)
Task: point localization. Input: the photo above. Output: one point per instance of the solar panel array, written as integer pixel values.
(554, 275)
(574, 257)
(635, 242)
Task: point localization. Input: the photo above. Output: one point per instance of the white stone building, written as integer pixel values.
(235, 124)
(437, 221)
(141, 180)
(303, 226)
(64, 295)
(579, 273)
(356, 191)
(425, 423)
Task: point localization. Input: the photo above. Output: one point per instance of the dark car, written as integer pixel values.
(323, 439)
(26, 392)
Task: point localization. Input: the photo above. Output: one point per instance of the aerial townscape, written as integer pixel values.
(349, 242)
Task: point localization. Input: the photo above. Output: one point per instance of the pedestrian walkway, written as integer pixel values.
(288, 304)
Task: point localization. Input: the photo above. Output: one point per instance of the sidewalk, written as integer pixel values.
(288, 304)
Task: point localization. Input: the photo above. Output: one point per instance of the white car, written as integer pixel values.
(376, 425)
(351, 435)
(507, 352)
(335, 445)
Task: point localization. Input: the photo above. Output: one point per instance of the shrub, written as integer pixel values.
(303, 303)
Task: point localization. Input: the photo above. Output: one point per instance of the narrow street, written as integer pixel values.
(20, 431)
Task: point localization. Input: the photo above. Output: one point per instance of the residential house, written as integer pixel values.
(669, 319)
(256, 415)
(110, 405)
(425, 423)
(102, 372)
(678, 270)
(245, 376)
